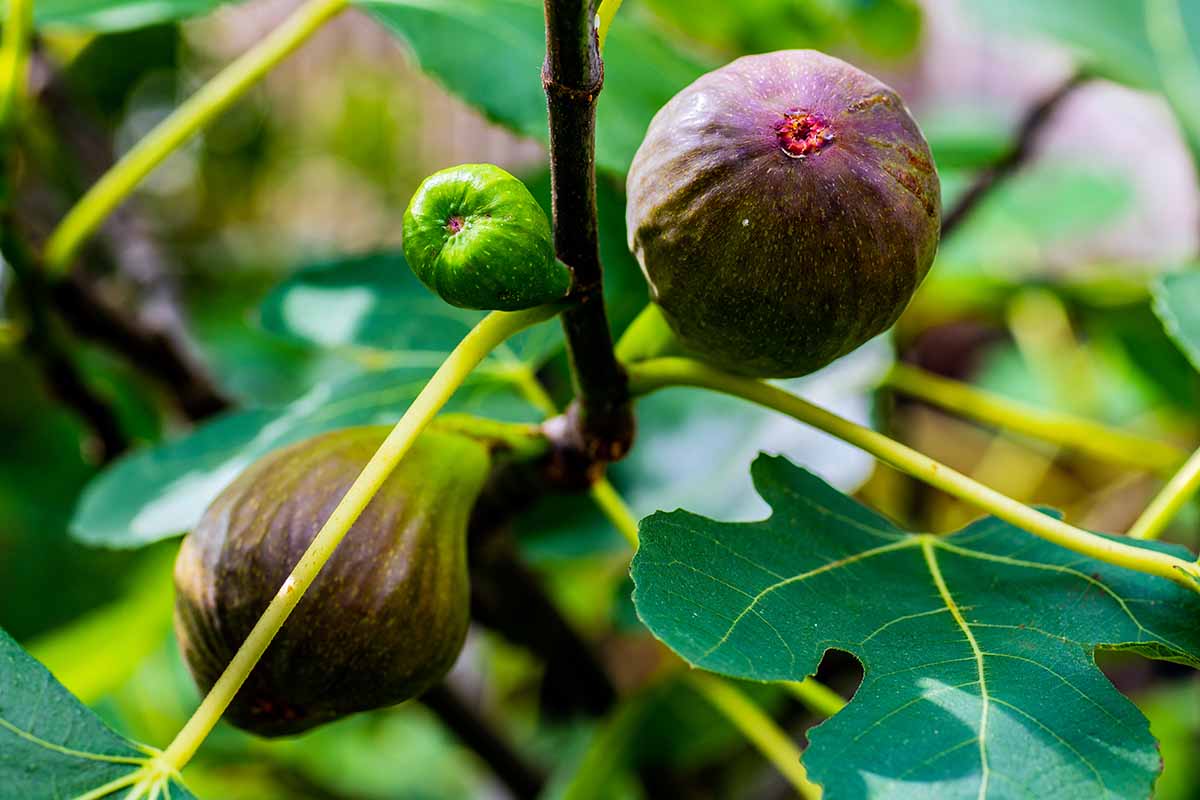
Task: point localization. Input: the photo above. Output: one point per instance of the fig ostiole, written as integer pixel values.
(386, 617)
(783, 208)
(478, 239)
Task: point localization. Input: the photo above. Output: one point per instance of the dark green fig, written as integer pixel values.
(476, 237)
(784, 208)
(386, 617)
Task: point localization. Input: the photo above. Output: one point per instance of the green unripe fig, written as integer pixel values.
(386, 617)
(784, 208)
(476, 237)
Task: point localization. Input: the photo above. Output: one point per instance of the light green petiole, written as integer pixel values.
(1079, 434)
(14, 57)
(604, 17)
(660, 373)
(1166, 505)
(818, 697)
(756, 726)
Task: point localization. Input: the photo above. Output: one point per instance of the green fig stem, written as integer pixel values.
(758, 727)
(1083, 435)
(199, 110)
(14, 58)
(816, 696)
(603, 493)
(755, 725)
(1163, 508)
(648, 336)
(493, 330)
(604, 17)
(661, 373)
(613, 506)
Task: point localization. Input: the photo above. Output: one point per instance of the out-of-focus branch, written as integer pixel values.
(155, 337)
(508, 597)
(521, 778)
(46, 347)
(1033, 123)
(155, 350)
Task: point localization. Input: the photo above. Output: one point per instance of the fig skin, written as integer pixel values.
(386, 617)
(784, 208)
(475, 236)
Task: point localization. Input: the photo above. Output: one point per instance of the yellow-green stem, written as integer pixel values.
(604, 17)
(489, 333)
(603, 493)
(765, 734)
(613, 506)
(14, 57)
(200, 109)
(535, 394)
(660, 373)
(759, 728)
(1166, 505)
(818, 697)
(1083, 435)
(648, 336)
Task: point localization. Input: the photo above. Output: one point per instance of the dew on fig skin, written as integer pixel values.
(801, 133)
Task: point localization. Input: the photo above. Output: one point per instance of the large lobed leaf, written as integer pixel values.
(51, 746)
(977, 648)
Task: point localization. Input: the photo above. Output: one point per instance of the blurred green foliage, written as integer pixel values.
(317, 165)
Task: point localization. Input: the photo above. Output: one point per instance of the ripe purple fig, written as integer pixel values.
(784, 208)
(387, 616)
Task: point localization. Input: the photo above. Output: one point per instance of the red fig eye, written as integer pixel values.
(454, 225)
(802, 134)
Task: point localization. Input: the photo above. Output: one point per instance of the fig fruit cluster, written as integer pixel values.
(475, 236)
(386, 617)
(784, 208)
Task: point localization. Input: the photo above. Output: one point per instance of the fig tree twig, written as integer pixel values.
(156, 350)
(153, 338)
(755, 725)
(521, 778)
(48, 350)
(1033, 123)
(507, 597)
(572, 76)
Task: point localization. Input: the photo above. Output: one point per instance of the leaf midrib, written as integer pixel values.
(985, 700)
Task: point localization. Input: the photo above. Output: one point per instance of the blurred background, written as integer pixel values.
(1066, 146)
